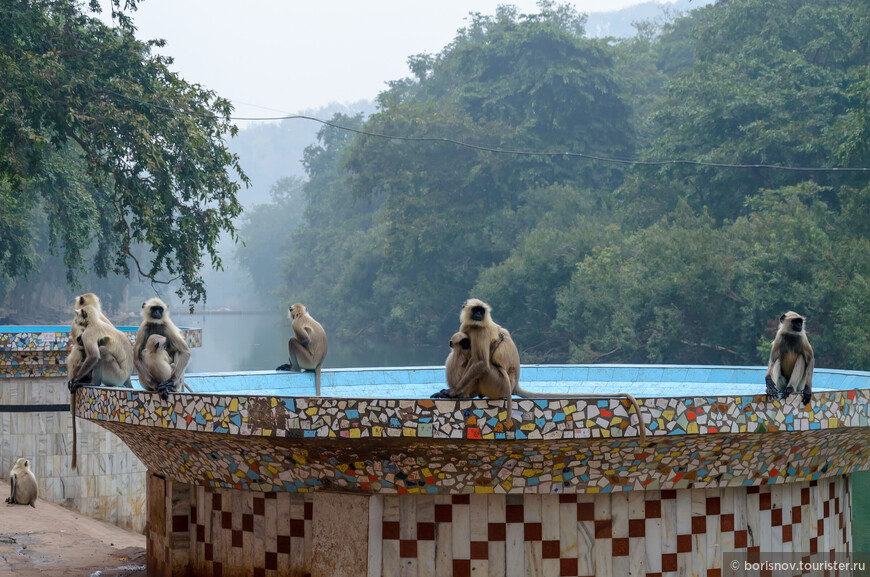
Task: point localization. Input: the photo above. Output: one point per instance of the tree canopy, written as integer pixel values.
(126, 160)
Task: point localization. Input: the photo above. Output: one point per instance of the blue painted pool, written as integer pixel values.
(420, 382)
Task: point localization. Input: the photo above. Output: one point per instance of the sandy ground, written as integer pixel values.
(52, 541)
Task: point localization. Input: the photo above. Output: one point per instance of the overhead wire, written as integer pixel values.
(568, 154)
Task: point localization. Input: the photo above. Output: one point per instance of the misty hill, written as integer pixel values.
(619, 23)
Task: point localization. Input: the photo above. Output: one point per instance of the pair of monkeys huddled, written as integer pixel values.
(103, 355)
(484, 361)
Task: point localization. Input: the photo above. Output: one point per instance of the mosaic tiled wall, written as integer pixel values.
(424, 446)
(35, 422)
(654, 533)
(43, 354)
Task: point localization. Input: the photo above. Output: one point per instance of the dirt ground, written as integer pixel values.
(52, 541)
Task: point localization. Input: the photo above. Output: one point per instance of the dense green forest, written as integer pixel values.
(591, 260)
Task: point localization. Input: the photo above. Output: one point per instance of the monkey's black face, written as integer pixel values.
(478, 313)
(156, 313)
(797, 325)
(465, 344)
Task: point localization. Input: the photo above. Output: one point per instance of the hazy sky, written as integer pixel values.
(279, 56)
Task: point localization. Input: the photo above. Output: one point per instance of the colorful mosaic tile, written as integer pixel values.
(425, 446)
(41, 351)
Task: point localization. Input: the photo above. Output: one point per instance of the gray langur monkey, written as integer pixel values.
(104, 357)
(307, 347)
(156, 357)
(77, 352)
(500, 378)
(23, 483)
(156, 321)
(791, 363)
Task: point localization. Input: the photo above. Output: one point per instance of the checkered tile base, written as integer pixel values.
(652, 533)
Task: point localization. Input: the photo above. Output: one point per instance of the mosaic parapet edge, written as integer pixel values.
(419, 445)
(43, 354)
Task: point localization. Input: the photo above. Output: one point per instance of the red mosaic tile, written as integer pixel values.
(726, 522)
(408, 548)
(550, 549)
(795, 515)
(603, 529)
(820, 527)
(568, 498)
(764, 502)
(714, 505)
(699, 525)
(786, 534)
(653, 575)
(805, 495)
(619, 547)
(514, 514)
(831, 491)
(479, 550)
(533, 531)
(740, 539)
(461, 568)
(179, 524)
(776, 518)
(425, 531)
(714, 573)
(568, 567)
(669, 494)
(443, 514)
(653, 510)
(390, 529)
(684, 543)
(636, 528)
(585, 511)
(669, 562)
(827, 508)
(497, 532)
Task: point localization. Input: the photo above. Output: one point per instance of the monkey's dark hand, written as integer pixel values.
(772, 393)
(442, 394)
(73, 386)
(286, 367)
(165, 388)
(806, 394)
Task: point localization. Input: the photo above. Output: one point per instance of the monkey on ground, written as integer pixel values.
(156, 321)
(104, 357)
(156, 357)
(790, 368)
(307, 347)
(500, 377)
(23, 483)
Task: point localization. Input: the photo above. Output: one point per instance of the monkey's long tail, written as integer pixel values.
(641, 424)
(72, 407)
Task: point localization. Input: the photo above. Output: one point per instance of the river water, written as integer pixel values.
(258, 342)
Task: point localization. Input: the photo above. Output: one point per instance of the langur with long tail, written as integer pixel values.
(307, 347)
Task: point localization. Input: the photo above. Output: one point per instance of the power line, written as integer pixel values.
(468, 145)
